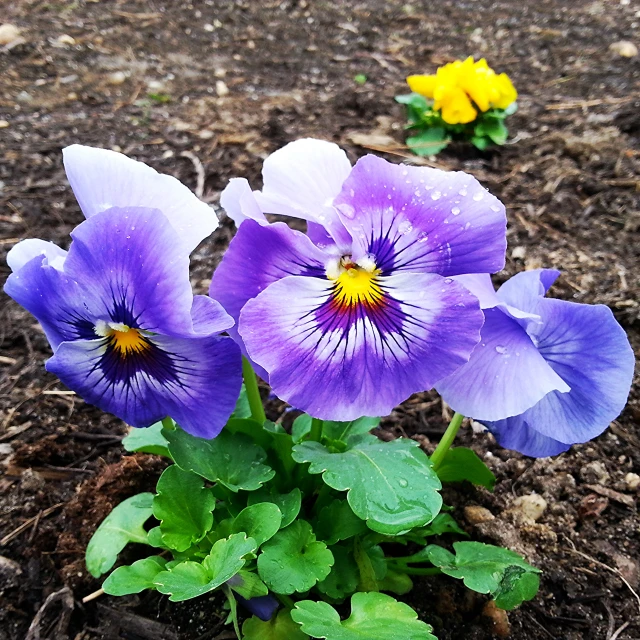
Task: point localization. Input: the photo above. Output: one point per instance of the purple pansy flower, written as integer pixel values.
(362, 311)
(127, 333)
(547, 373)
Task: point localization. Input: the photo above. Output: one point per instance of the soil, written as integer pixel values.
(204, 91)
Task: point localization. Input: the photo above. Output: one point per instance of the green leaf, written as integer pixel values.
(248, 585)
(442, 523)
(413, 100)
(396, 582)
(135, 578)
(231, 459)
(493, 128)
(488, 569)
(259, 521)
(338, 522)
(251, 428)
(280, 627)
(511, 109)
(188, 580)
(374, 616)
(282, 443)
(428, 142)
(461, 464)
(301, 427)
(391, 485)
(344, 576)
(288, 503)
(184, 506)
(122, 525)
(293, 560)
(344, 430)
(149, 440)
(242, 410)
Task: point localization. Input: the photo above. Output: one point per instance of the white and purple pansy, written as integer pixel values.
(118, 310)
(362, 311)
(547, 373)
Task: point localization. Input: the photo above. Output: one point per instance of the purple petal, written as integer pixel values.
(65, 309)
(209, 317)
(302, 179)
(517, 434)
(505, 376)
(239, 202)
(422, 220)
(132, 262)
(262, 607)
(590, 351)
(195, 381)
(524, 290)
(102, 179)
(257, 257)
(342, 362)
(27, 250)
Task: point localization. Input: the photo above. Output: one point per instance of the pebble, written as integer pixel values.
(4, 124)
(9, 572)
(476, 515)
(221, 88)
(8, 33)
(594, 473)
(116, 78)
(632, 480)
(65, 40)
(519, 253)
(624, 48)
(531, 506)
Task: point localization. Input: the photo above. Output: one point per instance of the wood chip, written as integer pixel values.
(628, 501)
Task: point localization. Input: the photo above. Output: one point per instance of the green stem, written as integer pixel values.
(447, 439)
(286, 601)
(168, 424)
(415, 571)
(234, 610)
(253, 393)
(316, 430)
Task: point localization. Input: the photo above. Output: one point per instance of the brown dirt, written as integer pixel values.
(569, 179)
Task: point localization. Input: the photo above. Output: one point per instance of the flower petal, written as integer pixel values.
(27, 250)
(134, 265)
(102, 179)
(63, 307)
(341, 363)
(524, 290)
(505, 376)
(517, 434)
(208, 316)
(239, 202)
(302, 179)
(422, 220)
(588, 349)
(196, 381)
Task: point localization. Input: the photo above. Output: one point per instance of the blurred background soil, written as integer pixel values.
(204, 91)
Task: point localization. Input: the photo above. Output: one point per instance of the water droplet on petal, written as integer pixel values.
(455, 211)
(463, 191)
(436, 195)
(478, 196)
(405, 227)
(495, 208)
(501, 349)
(347, 210)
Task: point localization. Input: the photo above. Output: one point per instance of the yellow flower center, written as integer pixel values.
(357, 285)
(127, 341)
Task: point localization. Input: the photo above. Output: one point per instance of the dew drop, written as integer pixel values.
(463, 191)
(423, 236)
(436, 195)
(495, 208)
(347, 210)
(455, 211)
(403, 483)
(501, 349)
(448, 280)
(405, 227)
(478, 196)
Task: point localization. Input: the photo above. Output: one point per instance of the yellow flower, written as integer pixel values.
(460, 88)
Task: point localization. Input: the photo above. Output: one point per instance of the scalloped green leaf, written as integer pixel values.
(337, 522)
(232, 459)
(187, 580)
(184, 507)
(148, 440)
(344, 576)
(442, 523)
(121, 526)
(280, 627)
(248, 585)
(461, 464)
(344, 430)
(134, 578)
(374, 616)
(288, 503)
(391, 485)
(488, 569)
(259, 521)
(293, 561)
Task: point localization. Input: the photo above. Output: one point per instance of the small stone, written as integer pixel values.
(594, 473)
(9, 572)
(65, 40)
(519, 253)
(116, 78)
(632, 480)
(209, 27)
(3, 124)
(531, 506)
(476, 515)
(31, 481)
(498, 618)
(155, 86)
(221, 88)
(205, 134)
(624, 48)
(8, 33)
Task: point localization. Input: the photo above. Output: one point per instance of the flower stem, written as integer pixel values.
(415, 571)
(286, 601)
(316, 430)
(234, 610)
(253, 394)
(447, 439)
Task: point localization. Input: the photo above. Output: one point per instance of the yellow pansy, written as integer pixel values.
(462, 87)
